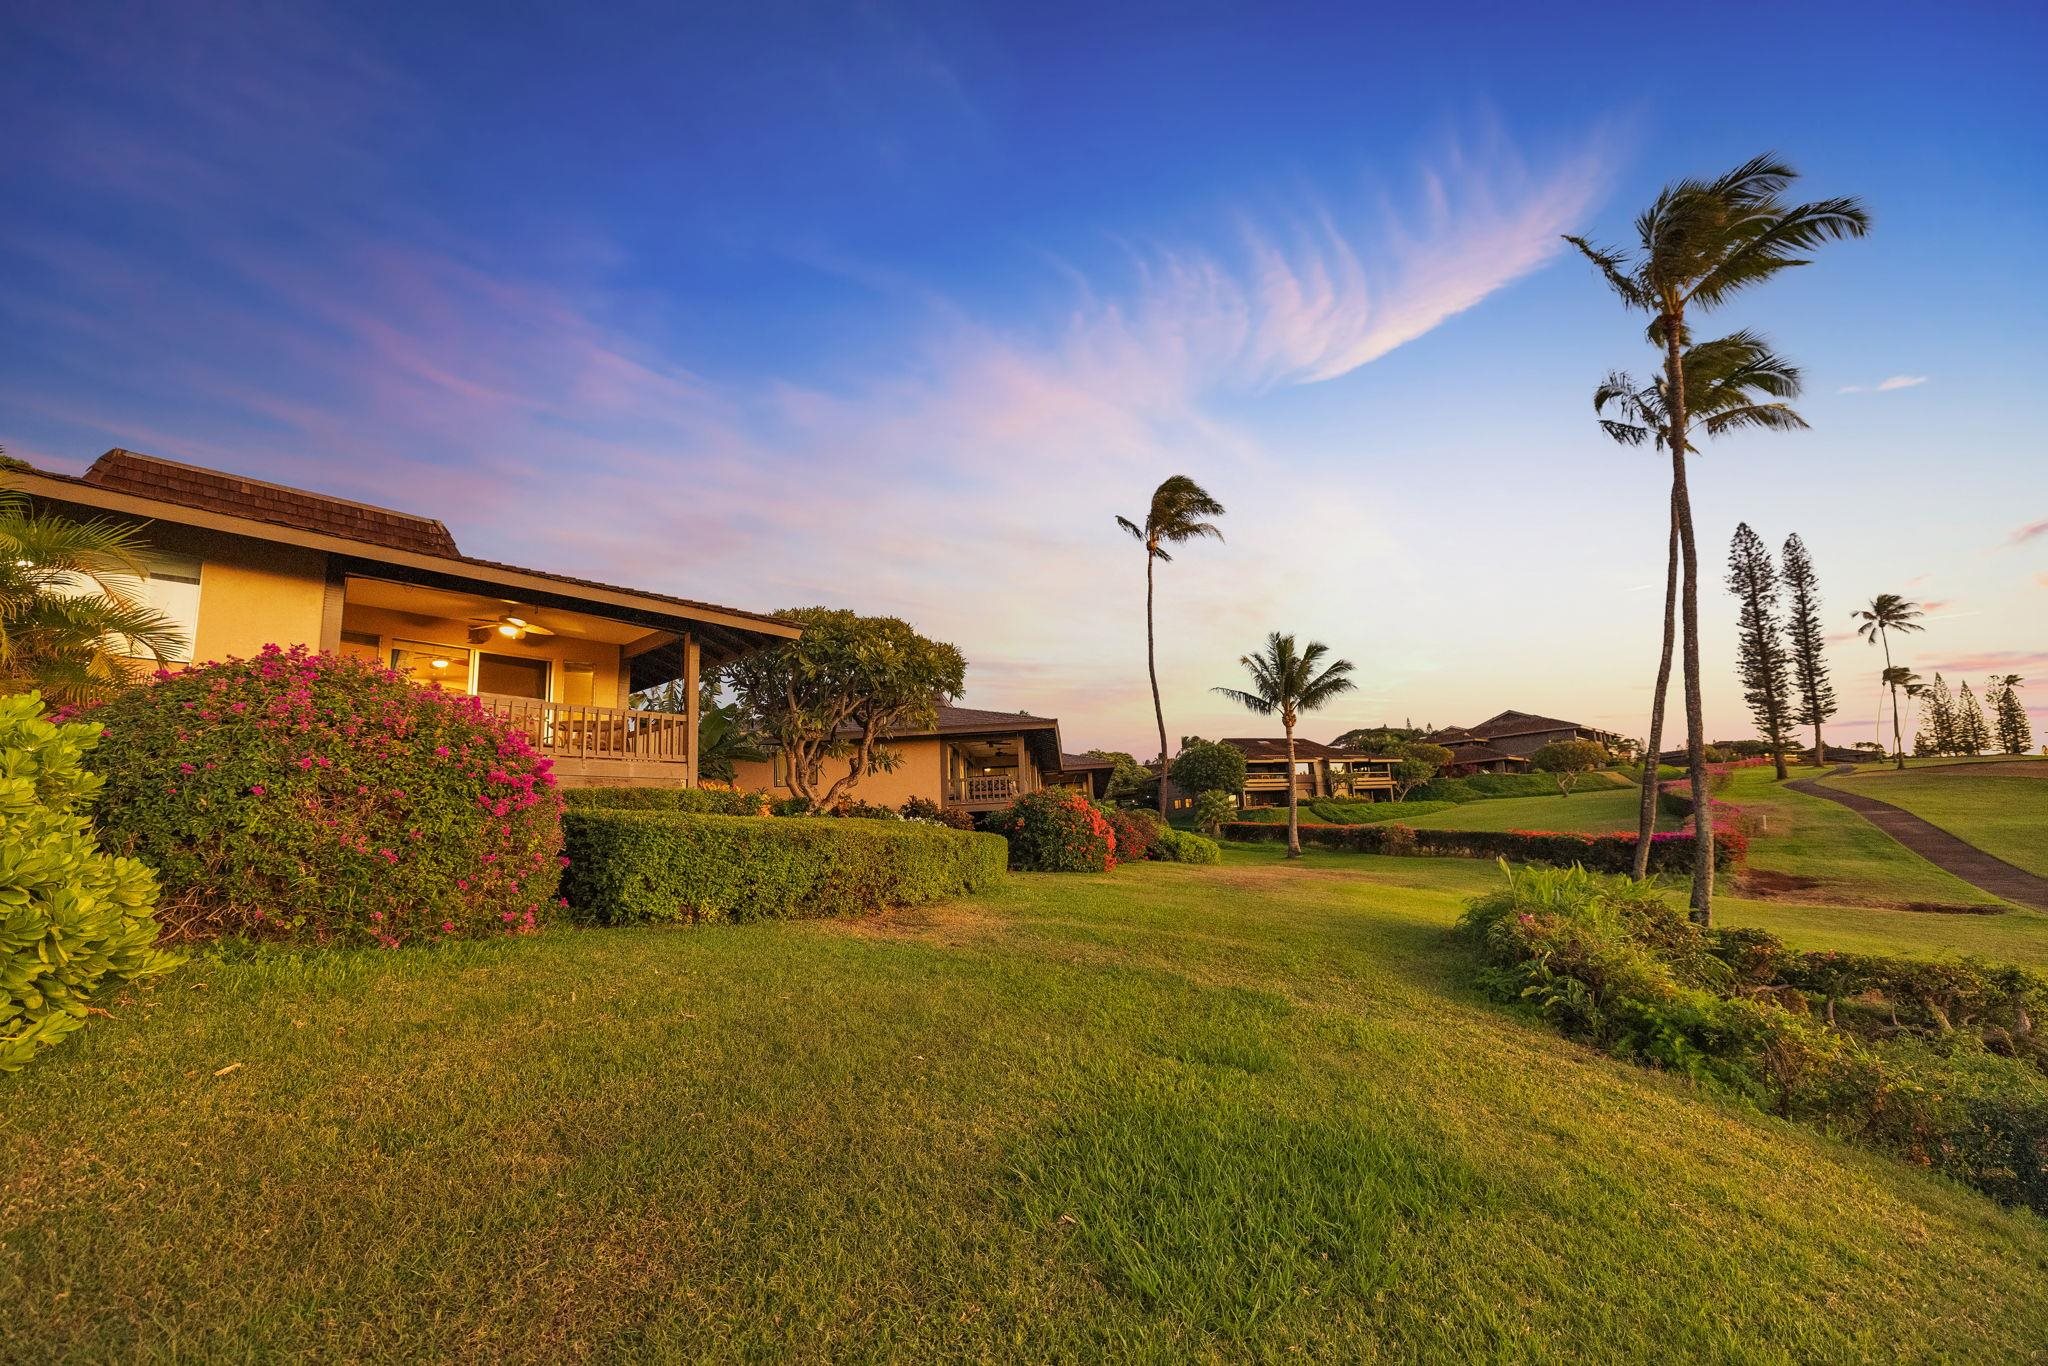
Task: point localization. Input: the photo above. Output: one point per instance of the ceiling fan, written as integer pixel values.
(508, 627)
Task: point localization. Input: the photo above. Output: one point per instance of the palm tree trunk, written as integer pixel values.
(1689, 623)
(1646, 817)
(1293, 802)
(1152, 670)
(1898, 743)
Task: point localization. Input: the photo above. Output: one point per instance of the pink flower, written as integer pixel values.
(255, 789)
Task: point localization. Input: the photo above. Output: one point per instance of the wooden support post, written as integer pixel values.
(692, 704)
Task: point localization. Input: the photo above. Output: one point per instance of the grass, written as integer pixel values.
(1597, 812)
(1169, 1112)
(1834, 854)
(2005, 815)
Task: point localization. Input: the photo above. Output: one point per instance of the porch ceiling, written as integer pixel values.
(450, 604)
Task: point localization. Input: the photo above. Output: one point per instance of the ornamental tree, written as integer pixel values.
(1208, 766)
(1568, 761)
(830, 699)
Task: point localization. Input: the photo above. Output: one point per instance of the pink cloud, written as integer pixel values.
(2028, 533)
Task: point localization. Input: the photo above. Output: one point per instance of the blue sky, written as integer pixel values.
(896, 306)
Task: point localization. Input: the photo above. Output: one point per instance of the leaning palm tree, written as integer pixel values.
(72, 614)
(1179, 507)
(1290, 683)
(1906, 681)
(1889, 613)
(1730, 378)
(1698, 244)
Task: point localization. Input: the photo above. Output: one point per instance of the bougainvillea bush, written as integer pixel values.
(1057, 830)
(75, 923)
(322, 798)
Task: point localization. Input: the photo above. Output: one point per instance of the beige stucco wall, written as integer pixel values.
(250, 594)
(918, 773)
(608, 683)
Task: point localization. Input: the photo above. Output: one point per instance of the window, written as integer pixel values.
(444, 668)
(512, 676)
(579, 683)
(172, 588)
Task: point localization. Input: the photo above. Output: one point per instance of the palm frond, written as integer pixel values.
(1250, 701)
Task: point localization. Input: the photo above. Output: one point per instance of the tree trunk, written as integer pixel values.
(1689, 625)
(1646, 817)
(1152, 671)
(1898, 744)
(1293, 803)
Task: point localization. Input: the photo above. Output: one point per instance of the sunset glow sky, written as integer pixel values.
(896, 307)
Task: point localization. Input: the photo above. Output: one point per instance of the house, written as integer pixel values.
(970, 760)
(1504, 743)
(1319, 771)
(241, 563)
(1090, 771)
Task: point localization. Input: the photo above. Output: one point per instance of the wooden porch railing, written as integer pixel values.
(981, 790)
(568, 730)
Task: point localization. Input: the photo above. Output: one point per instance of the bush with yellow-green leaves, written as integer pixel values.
(76, 924)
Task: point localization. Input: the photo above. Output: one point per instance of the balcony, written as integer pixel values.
(601, 746)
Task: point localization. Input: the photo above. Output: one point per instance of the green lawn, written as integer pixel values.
(1597, 812)
(1825, 852)
(2006, 815)
(1170, 1112)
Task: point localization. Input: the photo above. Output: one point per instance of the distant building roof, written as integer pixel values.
(1476, 753)
(1075, 763)
(1270, 750)
(1518, 723)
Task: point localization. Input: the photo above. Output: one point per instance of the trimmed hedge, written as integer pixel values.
(1669, 853)
(688, 801)
(628, 867)
(1337, 811)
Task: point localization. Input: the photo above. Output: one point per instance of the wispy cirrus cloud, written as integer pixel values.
(2028, 533)
(1885, 386)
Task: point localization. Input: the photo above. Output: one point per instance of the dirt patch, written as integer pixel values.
(951, 921)
(1763, 883)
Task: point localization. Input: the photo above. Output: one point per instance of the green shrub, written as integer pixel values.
(1136, 832)
(1214, 807)
(925, 809)
(688, 801)
(1057, 831)
(1184, 846)
(74, 922)
(632, 866)
(322, 798)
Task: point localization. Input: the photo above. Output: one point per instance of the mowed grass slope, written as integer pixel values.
(1171, 1111)
(1599, 811)
(2003, 813)
(1833, 855)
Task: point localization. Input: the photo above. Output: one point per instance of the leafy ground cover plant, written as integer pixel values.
(75, 923)
(1940, 1063)
(321, 798)
(1058, 830)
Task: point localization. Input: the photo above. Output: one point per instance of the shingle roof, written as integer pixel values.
(1264, 750)
(149, 476)
(135, 475)
(1519, 723)
(1482, 754)
(1070, 763)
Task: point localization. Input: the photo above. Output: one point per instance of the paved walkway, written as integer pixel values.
(1936, 845)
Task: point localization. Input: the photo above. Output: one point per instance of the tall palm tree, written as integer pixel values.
(1698, 244)
(1290, 683)
(1730, 378)
(1907, 682)
(1179, 507)
(72, 613)
(1888, 613)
